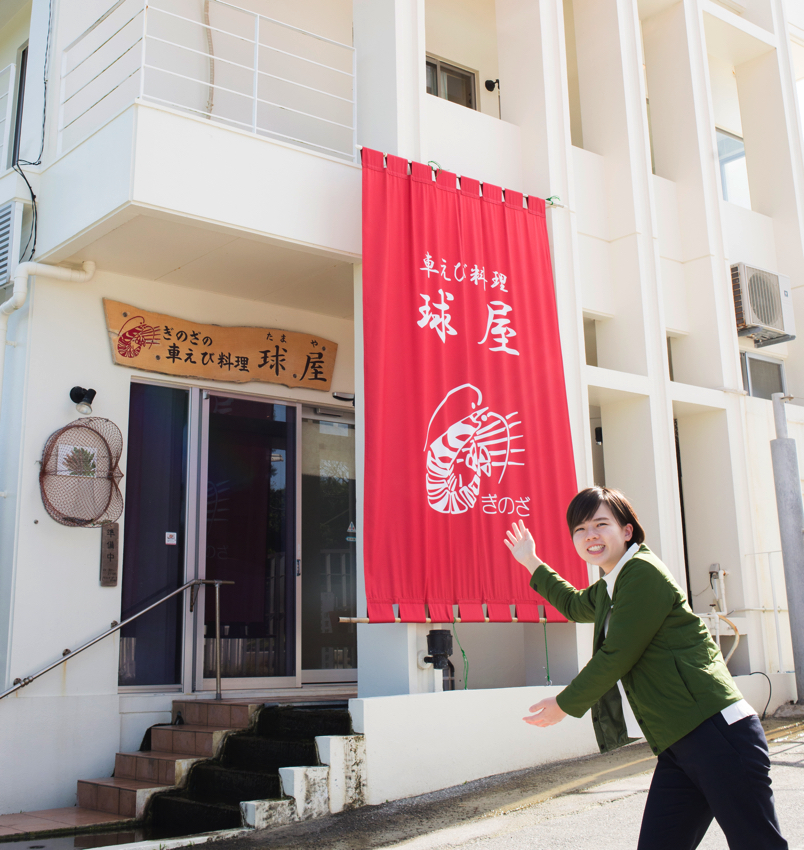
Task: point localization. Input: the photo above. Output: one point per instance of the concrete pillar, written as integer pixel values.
(534, 96)
(611, 114)
(683, 145)
(533, 84)
(390, 48)
(790, 509)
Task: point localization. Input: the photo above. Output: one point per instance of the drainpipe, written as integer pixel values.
(20, 293)
(791, 529)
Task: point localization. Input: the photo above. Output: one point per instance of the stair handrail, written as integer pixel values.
(195, 583)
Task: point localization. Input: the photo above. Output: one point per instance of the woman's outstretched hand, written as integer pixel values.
(546, 712)
(520, 543)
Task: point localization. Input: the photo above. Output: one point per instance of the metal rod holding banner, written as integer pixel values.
(365, 620)
(550, 202)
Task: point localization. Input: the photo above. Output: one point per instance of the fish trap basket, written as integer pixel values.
(79, 475)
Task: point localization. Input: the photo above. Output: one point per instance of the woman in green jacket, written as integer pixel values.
(656, 673)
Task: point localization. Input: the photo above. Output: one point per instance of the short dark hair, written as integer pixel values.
(584, 506)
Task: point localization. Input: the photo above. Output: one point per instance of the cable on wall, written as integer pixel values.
(20, 162)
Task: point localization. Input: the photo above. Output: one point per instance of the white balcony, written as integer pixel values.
(214, 60)
(195, 150)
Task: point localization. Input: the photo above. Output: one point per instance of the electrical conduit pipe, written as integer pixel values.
(20, 293)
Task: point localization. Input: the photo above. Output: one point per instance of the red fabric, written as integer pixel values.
(463, 436)
(527, 613)
(498, 613)
(412, 612)
(440, 612)
(471, 612)
(381, 612)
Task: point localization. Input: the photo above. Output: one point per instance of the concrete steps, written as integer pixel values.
(196, 773)
(247, 767)
(201, 728)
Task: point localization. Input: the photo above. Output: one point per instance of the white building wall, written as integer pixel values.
(66, 726)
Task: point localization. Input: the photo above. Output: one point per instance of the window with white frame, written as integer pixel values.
(457, 85)
(733, 170)
(762, 376)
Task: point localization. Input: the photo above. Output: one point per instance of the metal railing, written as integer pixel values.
(194, 584)
(7, 77)
(214, 60)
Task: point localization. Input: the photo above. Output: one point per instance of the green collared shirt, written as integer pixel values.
(672, 672)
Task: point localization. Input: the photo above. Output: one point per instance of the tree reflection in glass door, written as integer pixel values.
(328, 546)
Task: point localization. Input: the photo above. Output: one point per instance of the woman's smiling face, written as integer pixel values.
(601, 540)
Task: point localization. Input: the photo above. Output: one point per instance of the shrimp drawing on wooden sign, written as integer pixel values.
(473, 446)
(135, 335)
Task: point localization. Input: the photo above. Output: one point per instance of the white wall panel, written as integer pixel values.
(594, 257)
(674, 292)
(471, 143)
(591, 204)
(750, 238)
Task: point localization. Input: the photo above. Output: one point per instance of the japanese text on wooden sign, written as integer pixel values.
(159, 343)
(110, 554)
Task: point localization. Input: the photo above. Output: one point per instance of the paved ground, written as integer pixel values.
(589, 803)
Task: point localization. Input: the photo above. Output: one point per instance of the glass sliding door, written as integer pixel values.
(154, 535)
(329, 648)
(248, 518)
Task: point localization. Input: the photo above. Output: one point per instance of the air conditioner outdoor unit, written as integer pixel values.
(763, 305)
(6, 242)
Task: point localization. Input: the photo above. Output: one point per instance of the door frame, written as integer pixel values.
(195, 632)
(328, 413)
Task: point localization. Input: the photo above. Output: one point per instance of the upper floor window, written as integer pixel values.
(454, 84)
(762, 376)
(733, 171)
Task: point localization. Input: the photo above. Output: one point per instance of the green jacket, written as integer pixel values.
(672, 671)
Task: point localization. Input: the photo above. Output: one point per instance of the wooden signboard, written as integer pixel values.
(172, 346)
(110, 554)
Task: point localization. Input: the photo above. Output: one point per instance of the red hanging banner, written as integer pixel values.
(467, 428)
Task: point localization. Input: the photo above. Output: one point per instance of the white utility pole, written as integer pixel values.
(791, 528)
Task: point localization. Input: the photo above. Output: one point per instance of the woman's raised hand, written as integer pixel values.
(520, 543)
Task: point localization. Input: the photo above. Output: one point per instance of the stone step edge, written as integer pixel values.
(217, 742)
(142, 796)
(252, 710)
(182, 762)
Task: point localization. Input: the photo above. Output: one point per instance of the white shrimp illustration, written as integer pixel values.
(469, 449)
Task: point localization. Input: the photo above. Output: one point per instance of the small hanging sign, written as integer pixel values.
(157, 342)
(110, 554)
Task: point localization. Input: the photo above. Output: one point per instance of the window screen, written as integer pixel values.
(762, 376)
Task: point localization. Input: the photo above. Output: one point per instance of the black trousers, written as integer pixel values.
(717, 771)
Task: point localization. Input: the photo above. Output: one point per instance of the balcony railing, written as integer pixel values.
(214, 60)
(7, 76)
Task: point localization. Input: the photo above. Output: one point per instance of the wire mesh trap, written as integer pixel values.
(79, 475)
